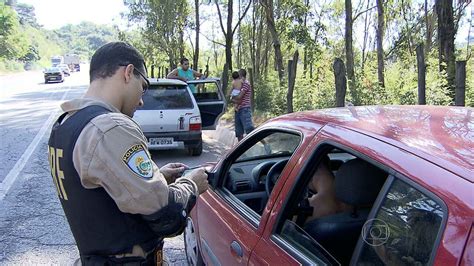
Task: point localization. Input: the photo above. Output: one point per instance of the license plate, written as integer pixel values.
(160, 141)
(53, 78)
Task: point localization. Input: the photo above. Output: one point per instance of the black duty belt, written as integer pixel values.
(154, 258)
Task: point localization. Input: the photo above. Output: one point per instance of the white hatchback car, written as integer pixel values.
(172, 117)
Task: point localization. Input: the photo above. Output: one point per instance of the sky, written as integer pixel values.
(53, 14)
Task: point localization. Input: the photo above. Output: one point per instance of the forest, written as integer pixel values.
(300, 54)
(380, 49)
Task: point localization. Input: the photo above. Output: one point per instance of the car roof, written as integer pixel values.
(205, 80)
(442, 135)
(155, 81)
(166, 81)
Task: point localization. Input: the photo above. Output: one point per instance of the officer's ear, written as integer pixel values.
(128, 72)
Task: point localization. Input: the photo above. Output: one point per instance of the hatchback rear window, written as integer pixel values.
(167, 97)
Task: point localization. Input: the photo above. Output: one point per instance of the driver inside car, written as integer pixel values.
(324, 201)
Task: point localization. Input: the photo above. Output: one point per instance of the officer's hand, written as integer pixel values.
(172, 171)
(199, 177)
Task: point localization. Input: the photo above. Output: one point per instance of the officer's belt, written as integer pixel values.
(137, 257)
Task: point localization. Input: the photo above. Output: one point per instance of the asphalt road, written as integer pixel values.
(33, 227)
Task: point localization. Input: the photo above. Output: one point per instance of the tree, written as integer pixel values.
(268, 7)
(446, 33)
(350, 52)
(26, 15)
(380, 31)
(229, 32)
(164, 23)
(196, 45)
(13, 43)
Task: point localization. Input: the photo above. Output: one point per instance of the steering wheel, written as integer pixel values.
(273, 175)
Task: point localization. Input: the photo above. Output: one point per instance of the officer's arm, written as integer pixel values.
(170, 220)
(118, 161)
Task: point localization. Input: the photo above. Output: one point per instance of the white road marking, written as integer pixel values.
(20, 164)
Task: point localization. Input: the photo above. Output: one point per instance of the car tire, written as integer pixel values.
(45, 81)
(191, 247)
(197, 150)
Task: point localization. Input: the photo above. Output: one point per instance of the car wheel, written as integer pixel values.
(196, 151)
(45, 81)
(193, 254)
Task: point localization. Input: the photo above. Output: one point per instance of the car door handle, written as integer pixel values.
(236, 249)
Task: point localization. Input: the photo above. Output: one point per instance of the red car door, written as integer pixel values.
(230, 225)
(233, 244)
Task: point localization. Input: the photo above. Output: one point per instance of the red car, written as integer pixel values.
(360, 185)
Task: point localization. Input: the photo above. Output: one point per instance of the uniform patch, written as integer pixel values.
(138, 160)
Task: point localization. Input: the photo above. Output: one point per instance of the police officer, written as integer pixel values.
(118, 203)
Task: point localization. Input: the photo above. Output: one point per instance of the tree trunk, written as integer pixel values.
(252, 84)
(366, 36)
(429, 29)
(444, 11)
(229, 35)
(225, 78)
(340, 81)
(198, 26)
(292, 65)
(460, 83)
(380, 32)
(239, 45)
(181, 44)
(350, 53)
(305, 51)
(268, 5)
(258, 53)
(420, 60)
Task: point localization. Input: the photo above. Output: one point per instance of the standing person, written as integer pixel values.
(118, 203)
(243, 113)
(185, 73)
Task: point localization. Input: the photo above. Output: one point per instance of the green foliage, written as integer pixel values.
(162, 24)
(436, 84)
(85, 38)
(26, 15)
(13, 43)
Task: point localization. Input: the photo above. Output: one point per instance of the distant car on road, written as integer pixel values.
(65, 69)
(53, 74)
(395, 188)
(172, 117)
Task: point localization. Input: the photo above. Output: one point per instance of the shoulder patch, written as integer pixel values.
(138, 160)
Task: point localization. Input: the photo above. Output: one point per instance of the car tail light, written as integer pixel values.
(195, 123)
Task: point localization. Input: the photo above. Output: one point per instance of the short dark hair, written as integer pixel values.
(235, 75)
(184, 59)
(108, 58)
(243, 73)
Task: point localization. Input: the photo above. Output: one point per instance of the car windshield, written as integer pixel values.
(53, 69)
(162, 97)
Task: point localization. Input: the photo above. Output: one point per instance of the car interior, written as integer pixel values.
(254, 173)
(356, 184)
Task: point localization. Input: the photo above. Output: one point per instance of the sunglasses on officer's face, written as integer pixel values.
(147, 82)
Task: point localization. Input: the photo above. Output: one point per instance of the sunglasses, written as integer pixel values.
(144, 86)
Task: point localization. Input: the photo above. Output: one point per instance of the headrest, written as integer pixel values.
(359, 182)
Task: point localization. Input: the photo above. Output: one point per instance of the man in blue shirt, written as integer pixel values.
(185, 73)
